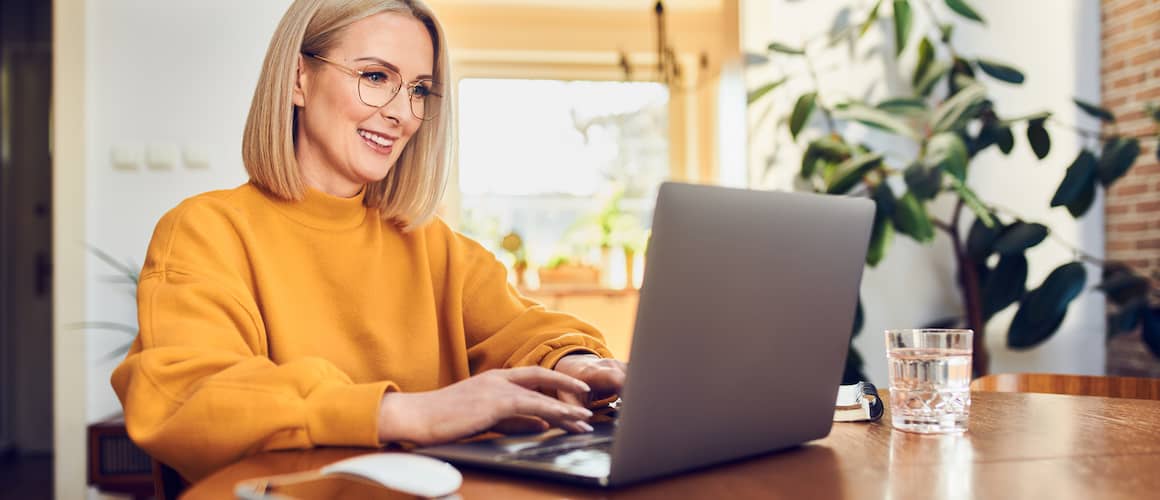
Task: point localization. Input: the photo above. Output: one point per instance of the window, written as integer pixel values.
(571, 166)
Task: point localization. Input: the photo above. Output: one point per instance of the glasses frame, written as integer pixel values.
(358, 75)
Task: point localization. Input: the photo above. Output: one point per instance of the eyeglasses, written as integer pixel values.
(378, 85)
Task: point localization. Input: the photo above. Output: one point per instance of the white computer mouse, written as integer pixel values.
(406, 472)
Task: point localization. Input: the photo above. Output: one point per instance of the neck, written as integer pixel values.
(331, 184)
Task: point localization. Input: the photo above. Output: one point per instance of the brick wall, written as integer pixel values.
(1130, 78)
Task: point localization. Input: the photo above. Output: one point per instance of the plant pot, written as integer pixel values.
(569, 275)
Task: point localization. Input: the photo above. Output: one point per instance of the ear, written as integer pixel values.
(301, 81)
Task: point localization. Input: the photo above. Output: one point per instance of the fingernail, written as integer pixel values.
(585, 426)
(585, 387)
(585, 412)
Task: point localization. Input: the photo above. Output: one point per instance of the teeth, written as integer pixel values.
(375, 138)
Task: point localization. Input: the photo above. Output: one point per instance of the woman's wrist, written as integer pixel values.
(573, 357)
(393, 419)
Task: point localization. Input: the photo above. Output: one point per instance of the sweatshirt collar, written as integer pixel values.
(324, 211)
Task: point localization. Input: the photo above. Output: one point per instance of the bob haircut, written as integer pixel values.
(410, 193)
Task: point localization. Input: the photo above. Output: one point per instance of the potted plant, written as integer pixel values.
(949, 117)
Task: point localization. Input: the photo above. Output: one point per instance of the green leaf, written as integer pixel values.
(118, 353)
(832, 148)
(925, 56)
(760, 92)
(924, 182)
(903, 106)
(126, 270)
(130, 330)
(1095, 111)
(884, 201)
(809, 163)
(910, 218)
(946, 30)
(851, 171)
(879, 241)
(825, 148)
(1118, 156)
(785, 49)
(1060, 287)
(1005, 284)
(947, 152)
(801, 112)
(883, 231)
(1037, 136)
(961, 8)
(1081, 204)
(1005, 139)
(1028, 331)
(934, 73)
(1122, 285)
(1042, 310)
(901, 24)
(859, 319)
(1150, 329)
(981, 239)
(1019, 237)
(852, 373)
(1000, 71)
(973, 202)
(1125, 321)
(988, 135)
(1078, 183)
(954, 113)
(876, 118)
(962, 81)
(870, 19)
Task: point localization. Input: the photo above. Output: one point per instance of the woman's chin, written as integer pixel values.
(371, 176)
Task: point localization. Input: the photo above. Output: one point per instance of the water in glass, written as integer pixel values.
(930, 389)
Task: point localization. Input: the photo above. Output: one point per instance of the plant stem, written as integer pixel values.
(971, 292)
(1079, 254)
(938, 25)
(1093, 134)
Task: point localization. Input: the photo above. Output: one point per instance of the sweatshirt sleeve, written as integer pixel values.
(505, 329)
(198, 388)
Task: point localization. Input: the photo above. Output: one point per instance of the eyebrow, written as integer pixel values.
(392, 67)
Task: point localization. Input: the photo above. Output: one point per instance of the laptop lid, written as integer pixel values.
(742, 329)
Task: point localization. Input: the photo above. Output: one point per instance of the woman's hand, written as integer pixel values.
(604, 376)
(506, 399)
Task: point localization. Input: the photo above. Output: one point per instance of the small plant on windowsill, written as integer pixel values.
(610, 228)
(513, 243)
(563, 270)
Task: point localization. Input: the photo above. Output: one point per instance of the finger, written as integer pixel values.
(576, 426)
(521, 424)
(528, 402)
(572, 398)
(535, 377)
(606, 378)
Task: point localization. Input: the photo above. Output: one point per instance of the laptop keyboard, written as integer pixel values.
(549, 452)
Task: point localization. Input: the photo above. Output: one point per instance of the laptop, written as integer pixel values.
(739, 345)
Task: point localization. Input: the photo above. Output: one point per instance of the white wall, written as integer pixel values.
(160, 74)
(916, 284)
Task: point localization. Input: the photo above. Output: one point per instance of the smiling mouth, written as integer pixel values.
(378, 142)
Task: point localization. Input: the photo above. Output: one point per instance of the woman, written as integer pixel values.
(322, 303)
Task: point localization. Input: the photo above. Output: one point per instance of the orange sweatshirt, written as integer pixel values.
(272, 325)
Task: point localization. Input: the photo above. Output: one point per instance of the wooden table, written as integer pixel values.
(1018, 446)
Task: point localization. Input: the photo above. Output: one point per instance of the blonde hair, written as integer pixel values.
(410, 193)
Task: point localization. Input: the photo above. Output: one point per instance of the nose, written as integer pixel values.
(398, 108)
